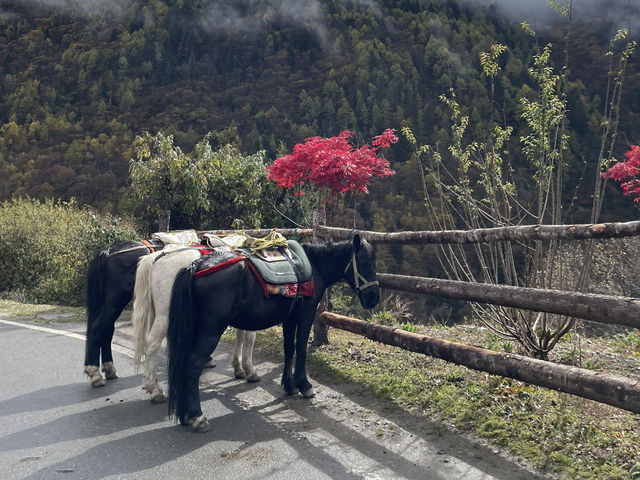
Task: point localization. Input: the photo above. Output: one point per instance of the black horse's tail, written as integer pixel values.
(96, 286)
(180, 341)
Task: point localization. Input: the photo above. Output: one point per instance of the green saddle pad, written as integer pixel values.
(281, 272)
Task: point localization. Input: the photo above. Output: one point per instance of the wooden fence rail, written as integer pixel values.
(600, 308)
(605, 388)
(498, 234)
(263, 232)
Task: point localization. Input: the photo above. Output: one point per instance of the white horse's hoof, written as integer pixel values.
(210, 363)
(239, 374)
(253, 378)
(109, 371)
(95, 378)
(159, 397)
(310, 393)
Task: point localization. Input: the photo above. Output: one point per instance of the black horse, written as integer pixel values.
(203, 306)
(110, 281)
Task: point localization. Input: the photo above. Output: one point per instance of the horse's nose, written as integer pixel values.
(370, 297)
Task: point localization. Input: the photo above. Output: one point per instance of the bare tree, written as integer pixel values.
(473, 187)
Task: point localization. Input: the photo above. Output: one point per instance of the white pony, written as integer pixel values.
(154, 280)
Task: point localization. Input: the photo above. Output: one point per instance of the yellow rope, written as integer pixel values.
(274, 239)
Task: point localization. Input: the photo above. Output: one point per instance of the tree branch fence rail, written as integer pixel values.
(605, 388)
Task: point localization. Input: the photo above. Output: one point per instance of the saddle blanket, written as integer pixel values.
(274, 277)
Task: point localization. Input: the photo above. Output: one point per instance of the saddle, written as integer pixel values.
(281, 270)
(281, 265)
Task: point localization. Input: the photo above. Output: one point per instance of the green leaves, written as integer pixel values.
(206, 188)
(47, 246)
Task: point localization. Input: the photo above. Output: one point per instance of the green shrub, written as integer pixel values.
(45, 248)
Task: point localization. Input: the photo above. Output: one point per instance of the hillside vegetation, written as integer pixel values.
(79, 84)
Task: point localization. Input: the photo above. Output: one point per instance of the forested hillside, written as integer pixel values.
(80, 80)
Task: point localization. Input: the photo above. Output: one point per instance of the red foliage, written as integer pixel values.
(624, 170)
(333, 163)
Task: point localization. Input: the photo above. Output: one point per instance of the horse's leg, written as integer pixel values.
(92, 352)
(300, 374)
(205, 344)
(288, 333)
(114, 312)
(247, 357)
(99, 335)
(156, 334)
(238, 371)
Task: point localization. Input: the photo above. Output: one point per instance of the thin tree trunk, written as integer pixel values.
(320, 329)
(600, 308)
(164, 221)
(605, 388)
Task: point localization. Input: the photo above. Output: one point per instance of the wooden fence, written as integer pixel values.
(610, 389)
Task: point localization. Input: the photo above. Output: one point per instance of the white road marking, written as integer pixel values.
(77, 336)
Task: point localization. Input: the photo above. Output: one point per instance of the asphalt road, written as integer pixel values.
(54, 426)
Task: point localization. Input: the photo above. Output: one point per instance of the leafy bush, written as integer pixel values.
(46, 247)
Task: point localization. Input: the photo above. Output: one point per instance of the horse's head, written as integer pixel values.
(361, 272)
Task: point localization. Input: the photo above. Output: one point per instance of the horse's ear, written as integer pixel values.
(356, 242)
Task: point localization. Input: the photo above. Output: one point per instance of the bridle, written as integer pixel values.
(357, 277)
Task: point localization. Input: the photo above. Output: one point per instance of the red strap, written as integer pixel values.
(215, 268)
(203, 249)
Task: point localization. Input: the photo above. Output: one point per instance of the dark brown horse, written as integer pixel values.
(202, 307)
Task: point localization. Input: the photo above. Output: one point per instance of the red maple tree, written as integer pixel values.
(622, 171)
(333, 163)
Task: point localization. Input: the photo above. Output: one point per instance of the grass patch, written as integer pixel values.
(42, 313)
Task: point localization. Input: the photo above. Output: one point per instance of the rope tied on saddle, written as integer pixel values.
(272, 240)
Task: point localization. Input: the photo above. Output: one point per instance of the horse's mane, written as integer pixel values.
(330, 258)
(325, 250)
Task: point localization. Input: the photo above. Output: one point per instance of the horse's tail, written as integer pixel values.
(96, 286)
(180, 340)
(143, 309)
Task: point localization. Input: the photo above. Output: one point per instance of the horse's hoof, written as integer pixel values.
(253, 378)
(201, 425)
(95, 378)
(239, 374)
(159, 398)
(98, 382)
(109, 371)
(210, 363)
(309, 393)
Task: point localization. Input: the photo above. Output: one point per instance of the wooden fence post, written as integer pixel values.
(320, 329)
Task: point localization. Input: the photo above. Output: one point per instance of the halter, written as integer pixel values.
(357, 277)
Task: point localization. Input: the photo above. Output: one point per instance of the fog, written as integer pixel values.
(621, 13)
